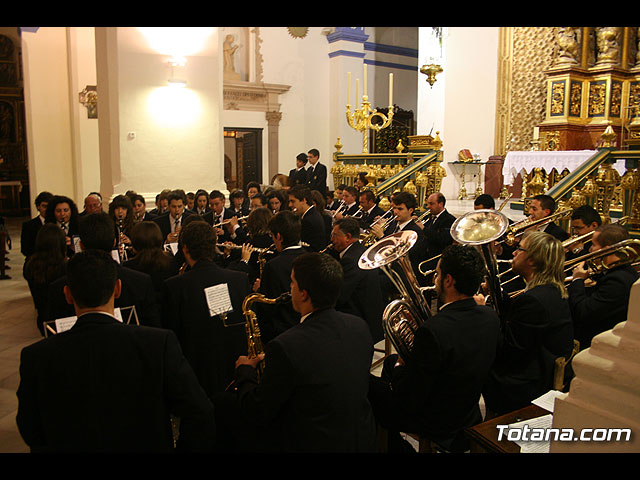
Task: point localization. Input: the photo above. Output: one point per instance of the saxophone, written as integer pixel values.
(252, 330)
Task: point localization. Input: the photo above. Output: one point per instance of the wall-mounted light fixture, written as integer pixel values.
(89, 98)
(176, 63)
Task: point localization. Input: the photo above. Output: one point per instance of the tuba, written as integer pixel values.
(402, 317)
(480, 229)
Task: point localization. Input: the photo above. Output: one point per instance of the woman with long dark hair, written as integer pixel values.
(149, 255)
(46, 264)
(121, 212)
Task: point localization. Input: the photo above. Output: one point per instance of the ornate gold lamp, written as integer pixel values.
(431, 70)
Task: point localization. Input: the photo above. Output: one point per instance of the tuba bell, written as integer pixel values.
(402, 317)
(480, 229)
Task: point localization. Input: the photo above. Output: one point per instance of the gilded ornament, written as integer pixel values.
(298, 32)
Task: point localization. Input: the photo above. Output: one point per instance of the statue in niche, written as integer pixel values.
(637, 47)
(568, 43)
(608, 42)
(229, 50)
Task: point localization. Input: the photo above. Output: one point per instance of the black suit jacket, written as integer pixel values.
(163, 222)
(30, 230)
(438, 389)
(313, 394)
(437, 234)
(137, 289)
(276, 280)
(210, 347)
(538, 330)
(556, 231)
(368, 218)
(361, 293)
(317, 179)
(298, 177)
(313, 229)
(107, 387)
(600, 308)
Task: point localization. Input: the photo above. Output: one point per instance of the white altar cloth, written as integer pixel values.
(517, 162)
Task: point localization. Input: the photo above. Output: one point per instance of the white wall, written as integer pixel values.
(462, 103)
(48, 121)
(303, 64)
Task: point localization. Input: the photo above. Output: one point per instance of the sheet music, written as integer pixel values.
(547, 401)
(218, 299)
(543, 422)
(174, 248)
(115, 255)
(64, 324)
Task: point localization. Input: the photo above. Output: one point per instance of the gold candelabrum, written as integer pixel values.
(362, 117)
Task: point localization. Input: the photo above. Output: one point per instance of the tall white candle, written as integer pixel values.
(364, 90)
(357, 84)
(348, 88)
(390, 89)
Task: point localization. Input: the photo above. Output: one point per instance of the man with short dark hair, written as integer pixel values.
(437, 228)
(298, 175)
(361, 293)
(484, 202)
(351, 205)
(404, 205)
(313, 228)
(436, 392)
(97, 232)
(370, 209)
(171, 222)
(276, 275)
(106, 387)
(219, 213)
(312, 395)
(30, 228)
(542, 206)
(584, 219)
(316, 172)
(211, 341)
(604, 305)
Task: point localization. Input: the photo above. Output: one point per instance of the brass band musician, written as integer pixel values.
(604, 305)
(436, 392)
(538, 326)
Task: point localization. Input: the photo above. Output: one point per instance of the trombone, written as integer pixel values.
(516, 230)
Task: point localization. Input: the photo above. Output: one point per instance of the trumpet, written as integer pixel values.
(368, 238)
(424, 218)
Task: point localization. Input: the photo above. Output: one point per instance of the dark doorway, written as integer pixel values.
(242, 156)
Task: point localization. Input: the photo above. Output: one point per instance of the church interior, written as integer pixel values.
(512, 112)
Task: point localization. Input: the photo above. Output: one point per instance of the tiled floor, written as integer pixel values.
(18, 329)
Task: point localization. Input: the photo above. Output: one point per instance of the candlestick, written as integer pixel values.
(391, 89)
(357, 85)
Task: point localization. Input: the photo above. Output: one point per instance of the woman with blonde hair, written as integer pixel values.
(537, 327)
